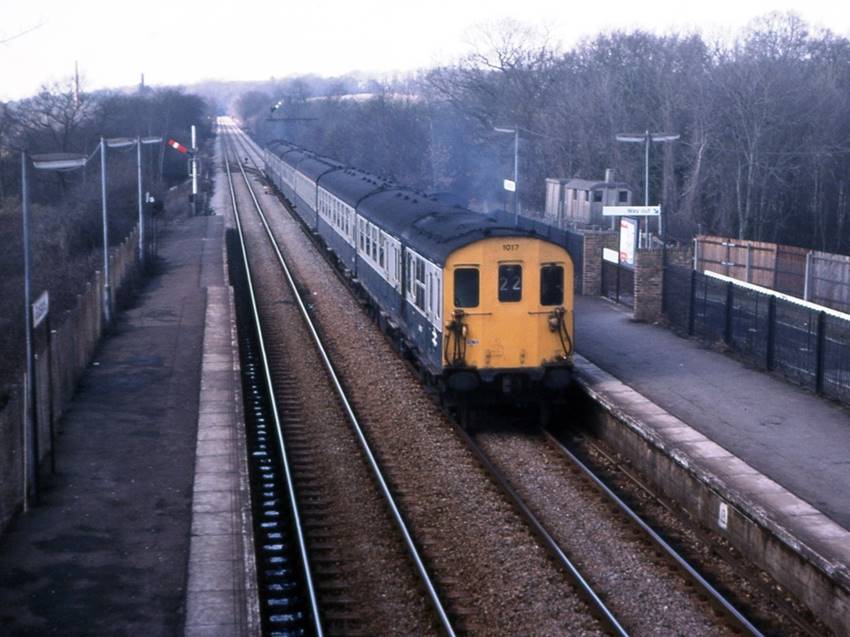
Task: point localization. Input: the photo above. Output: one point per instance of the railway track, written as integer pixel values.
(285, 569)
(711, 603)
(580, 537)
(295, 441)
(765, 603)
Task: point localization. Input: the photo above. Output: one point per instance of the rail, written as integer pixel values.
(290, 483)
(716, 598)
(585, 588)
(352, 417)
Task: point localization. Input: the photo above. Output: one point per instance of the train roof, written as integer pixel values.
(279, 146)
(433, 229)
(292, 155)
(352, 185)
(429, 224)
(314, 166)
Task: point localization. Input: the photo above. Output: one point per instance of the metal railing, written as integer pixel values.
(808, 343)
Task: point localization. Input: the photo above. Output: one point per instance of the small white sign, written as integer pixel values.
(723, 516)
(631, 211)
(510, 186)
(40, 309)
(612, 256)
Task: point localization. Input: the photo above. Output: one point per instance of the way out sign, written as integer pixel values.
(40, 309)
(631, 211)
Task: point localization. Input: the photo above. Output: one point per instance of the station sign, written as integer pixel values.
(40, 308)
(611, 256)
(631, 211)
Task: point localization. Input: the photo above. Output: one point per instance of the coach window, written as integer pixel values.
(510, 283)
(466, 287)
(552, 285)
(419, 284)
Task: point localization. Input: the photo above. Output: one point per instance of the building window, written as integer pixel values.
(623, 196)
(552, 285)
(510, 283)
(597, 196)
(466, 287)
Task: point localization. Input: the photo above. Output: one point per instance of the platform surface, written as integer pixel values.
(107, 549)
(796, 438)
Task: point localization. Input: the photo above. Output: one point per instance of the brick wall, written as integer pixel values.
(594, 242)
(648, 285)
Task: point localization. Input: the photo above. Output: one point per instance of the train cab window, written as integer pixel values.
(510, 283)
(466, 287)
(552, 285)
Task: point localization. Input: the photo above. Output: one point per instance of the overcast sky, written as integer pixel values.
(182, 41)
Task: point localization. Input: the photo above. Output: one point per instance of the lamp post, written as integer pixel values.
(55, 161)
(646, 138)
(515, 131)
(107, 288)
(138, 142)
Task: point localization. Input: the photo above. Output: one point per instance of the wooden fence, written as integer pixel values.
(820, 277)
(73, 339)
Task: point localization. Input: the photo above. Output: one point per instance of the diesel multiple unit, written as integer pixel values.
(480, 303)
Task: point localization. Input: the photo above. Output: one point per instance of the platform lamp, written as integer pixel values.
(646, 138)
(56, 162)
(515, 132)
(138, 142)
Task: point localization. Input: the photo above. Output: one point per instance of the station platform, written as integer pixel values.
(791, 435)
(762, 462)
(141, 530)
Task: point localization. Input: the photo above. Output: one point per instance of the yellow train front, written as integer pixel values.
(485, 307)
(509, 317)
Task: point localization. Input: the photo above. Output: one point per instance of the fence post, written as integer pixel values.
(775, 265)
(807, 290)
(692, 303)
(617, 293)
(820, 353)
(771, 332)
(749, 266)
(727, 326)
